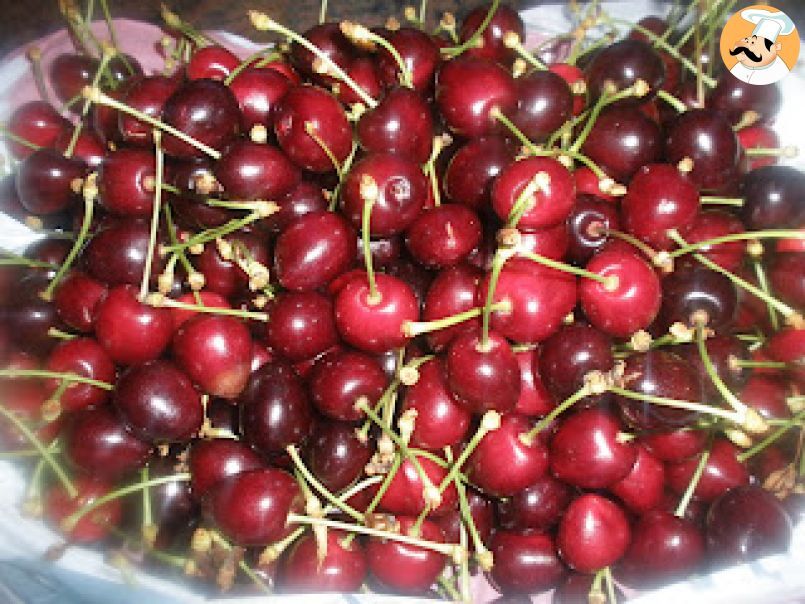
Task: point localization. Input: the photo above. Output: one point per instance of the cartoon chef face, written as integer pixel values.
(755, 51)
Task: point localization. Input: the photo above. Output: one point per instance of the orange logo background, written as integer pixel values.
(737, 27)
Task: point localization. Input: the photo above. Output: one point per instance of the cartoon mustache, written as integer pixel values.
(752, 56)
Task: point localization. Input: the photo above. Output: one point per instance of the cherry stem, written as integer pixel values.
(156, 207)
(34, 56)
(596, 594)
(158, 300)
(482, 554)
(148, 518)
(678, 404)
(323, 11)
(744, 364)
(363, 36)
(513, 42)
(674, 102)
(472, 42)
(60, 335)
(173, 21)
(450, 591)
(310, 130)
(489, 423)
(772, 438)
(43, 373)
(261, 54)
(691, 488)
(499, 259)
(263, 209)
(171, 227)
(90, 192)
(412, 329)
(18, 139)
(98, 97)
(464, 567)
(395, 466)
(610, 583)
(689, 32)
(747, 236)
(713, 200)
(272, 552)
(263, 22)
(15, 260)
(763, 282)
(528, 437)
(369, 193)
(107, 55)
(247, 570)
(51, 408)
(439, 143)
(789, 152)
(610, 283)
(44, 451)
(345, 168)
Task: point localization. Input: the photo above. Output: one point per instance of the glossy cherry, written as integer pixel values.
(258, 91)
(694, 294)
(405, 493)
(339, 379)
(420, 54)
(473, 168)
(642, 489)
(250, 170)
(36, 122)
(452, 291)
(624, 63)
(538, 506)
(45, 181)
(147, 95)
(342, 569)
(301, 325)
(69, 73)
(327, 37)
(589, 220)
(84, 357)
(302, 199)
(525, 562)
(443, 236)
(593, 533)
(771, 197)
(215, 460)
(709, 224)
(213, 62)
(126, 182)
(491, 46)
(116, 253)
(400, 124)
(723, 471)
(734, 97)
(335, 455)
(787, 278)
(572, 352)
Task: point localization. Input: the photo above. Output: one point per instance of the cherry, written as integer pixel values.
(302, 199)
(365, 72)
(551, 242)
(401, 124)
(313, 250)
(402, 190)
(675, 445)
(787, 278)
(767, 395)
(443, 236)
(93, 527)
(642, 489)
(275, 410)
(147, 95)
(588, 182)
(305, 111)
(634, 302)
(339, 379)
(594, 533)
(327, 37)
(174, 511)
(252, 507)
(505, 462)
(45, 181)
(473, 168)
(453, 291)
(706, 138)
(97, 442)
(695, 293)
(301, 325)
(538, 506)
(623, 140)
(212, 461)
(84, 357)
(664, 548)
(491, 45)
(722, 472)
(589, 220)
(525, 562)
(418, 51)
(69, 73)
(208, 298)
(404, 567)
(205, 110)
(213, 62)
(215, 351)
(342, 569)
(746, 523)
(335, 455)
(405, 494)
(88, 148)
(375, 325)
(258, 91)
(385, 252)
(723, 352)
(483, 516)
(131, 332)
(126, 182)
(249, 170)
(116, 253)
(624, 63)
(483, 376)
(571, 74)
(36, 122)
(572, 352)
(659, 198)
(535, 400)
(31, 317)
(225, 277)
(733, 98)
(709, 224)
(467, 89)
(552, 202)
(771, 197)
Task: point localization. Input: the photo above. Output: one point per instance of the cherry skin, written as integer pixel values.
(31, 318)
(175, 512)
(659, 198)
(535, 400)
(505, 463)
(757, 137)
(593, 533)
(302, 199)
(88, 149)
(97, 442)
(343, 568)
(335, 455)
(116, 253)
(472, 169)
(370, 325)
(213, 62)
(37, 122)
(722, 472)
(252, 507)
(45, 179)
(313, 250)
(258, 91)
(746, 523)
(552, 202)
(675, 445)
(420, 54)
(443, 236)
(403, 567)
(275, 410)
(525, 563)
(733, 98)
(695, 293)
(483, 515)
(225, 277)
(215, 460)
(204, 109)
(623, 140)
(327, 37)
(131, 332)
(126, 182)
(707, 138)
(787, 278)
(401, 124)
(710, 224)
(664, 549)
(572, 352)
(642, 489)
(405, 497)
(402, 191)
(539, 506)
(481, 377)
(84, 357)
(147, 95)
(215, 351)
(624, 63)
(69, 73)
(504, 20)
(452, 291)
(93, 527)
(772, 198)
(544, 103)
(589, 220)
(467, 89)
(306, 108)
(339, 379)
(551, 242)
(301, 325)
(250, 170)
(767, 395)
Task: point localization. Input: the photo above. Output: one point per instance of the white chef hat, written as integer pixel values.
(769, 25)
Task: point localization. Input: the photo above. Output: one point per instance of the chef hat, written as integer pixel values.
(769, 25)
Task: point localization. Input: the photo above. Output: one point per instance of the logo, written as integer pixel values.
(760, 45)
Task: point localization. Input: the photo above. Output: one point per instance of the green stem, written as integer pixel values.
(157, 204)
(366, 217)
(710, 369)
(747, 236)
(691, 488)
(556, 412)
(677, 404)
(771, 438)
(42, 373)
(498, 262)
(473, 40)
(105, 58)
(674, 102)
(763, 282)
(565, 268)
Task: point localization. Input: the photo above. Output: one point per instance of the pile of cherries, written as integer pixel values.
(389, 308)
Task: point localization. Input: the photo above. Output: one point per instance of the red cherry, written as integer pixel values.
(148, 96)
(491, 46)
(335, 455)
(250, 170)
(734, 97)
(469, 175)
(787, 278)
(92, 527)
(675, 445)
(572, 352)
(342, 569)
(304, 198)
(525, 562)
(535, 400)
(593, 534)
(571, 74)
(126, 182)
(405, 495)
(452, 291)
(642, 489)
(116, 253)
(212, 62)
(420, 54)
(215, 460)
(258, 91)
(400, 124)
(208, 298)
(301, 325)
(76, 300)
(551, 242)
(587, 182)
(327, 37)
(69, 73)
(339, 379)
(757, 137)
(37, 122)
(84, 357)
(89, 149)
(624, 63)
(539, 506)
(722, 471)
(45, 181)
(443, 236)
(710, 224)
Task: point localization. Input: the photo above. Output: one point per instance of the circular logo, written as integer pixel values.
(760, 45)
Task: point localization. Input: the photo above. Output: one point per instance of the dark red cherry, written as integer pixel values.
(405, 493)
(130, 331)
(538, 506)
(258, 91)
(505, 462)
(215, 351)
(126, 181)
(213, 62)
(723, 471)
(710, 224)
(443, 236)
(303, 198)
(215, 460)
(342, 568)
(525, 563)
(473, 168)
(706, 138)
(76, 300)
(593, 533)
(301, 325)
(31, 317)
(570, 354)
(205, 110)
(747, 523)
(589, 220)
(116, 253)
(252, 507)
(588, 182)
(400, 124)
(491, 45)
(250, 170)
(306, 110)
(483, 515)
(623, 140)
(327, 37)
(225, 277)
(174, 511)
(660, 197)
(402, 190)
(694, 293)
(365, 72)
(313, 250)
(420, 53)
(58, 505)
(535, 400)
(88, 149)
(84, 357)
(676, 444)
(69, 73)
(275, 410)
(772, 198)
(97, 442)
(340, 379)
(576, 588)
(335, 455)
(642, 489)
(147, 95)
(453, 291)
(36, 122)
(551, 242)
(467, 89)
(46, 180)
(734, 97)
(787, 278)
(624, 63)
